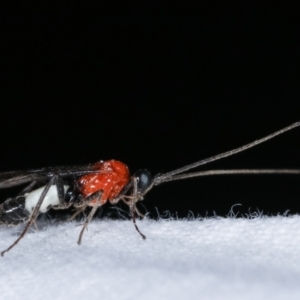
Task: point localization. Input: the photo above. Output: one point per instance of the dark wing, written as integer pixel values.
(14, 178)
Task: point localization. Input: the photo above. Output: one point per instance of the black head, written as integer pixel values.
(144, 180)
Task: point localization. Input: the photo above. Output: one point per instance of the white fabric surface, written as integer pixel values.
(216, 258)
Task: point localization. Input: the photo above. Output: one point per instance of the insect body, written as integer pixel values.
(111, 178)
(93, 185)
(17, 210)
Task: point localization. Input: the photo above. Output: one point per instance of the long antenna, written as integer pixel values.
(234, 172)
(170, 175)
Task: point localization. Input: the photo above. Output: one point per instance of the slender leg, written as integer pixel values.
(34, 214)
(123, 193)
(122, 196)
(83, 204)
(77, 212)
(130, 201)
(138, 212)
(134, 223)
(90, 216)
(132, 206)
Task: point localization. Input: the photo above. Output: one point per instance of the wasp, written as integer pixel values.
(80, 187)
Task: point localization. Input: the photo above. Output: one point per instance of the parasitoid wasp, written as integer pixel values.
(93, 185)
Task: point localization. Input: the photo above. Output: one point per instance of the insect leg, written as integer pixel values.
(91, 214)
(122, 194)
(127, 199)
(138, 212)
(131, 201)
(34, 214)
(132, 206)
(82, 204)
(77, 212)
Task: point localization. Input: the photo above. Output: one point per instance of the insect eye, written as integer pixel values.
(144, 179)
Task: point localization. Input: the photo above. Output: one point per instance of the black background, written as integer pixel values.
(157, 86)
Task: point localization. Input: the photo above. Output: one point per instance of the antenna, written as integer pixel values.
(170, 176)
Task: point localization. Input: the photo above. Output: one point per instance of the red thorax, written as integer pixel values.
(113, 177)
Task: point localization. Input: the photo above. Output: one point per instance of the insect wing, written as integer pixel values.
(15, 178)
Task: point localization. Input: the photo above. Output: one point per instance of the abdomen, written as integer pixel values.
(13, 212)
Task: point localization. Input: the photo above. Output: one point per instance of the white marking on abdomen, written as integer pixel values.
(50, 199)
